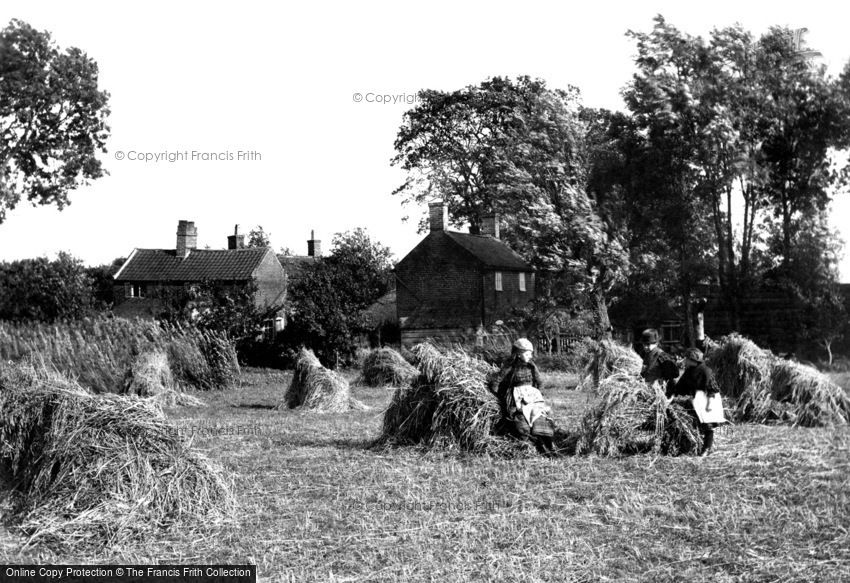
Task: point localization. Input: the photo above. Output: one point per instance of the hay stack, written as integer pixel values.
(741, 367)
(316, 388)
(150, 376)
(448, 405)
(630, 417)
(386, 367)
(768, 389)
(97, 469)
(606, 358)
(814, 400)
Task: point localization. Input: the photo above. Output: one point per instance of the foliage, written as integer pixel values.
(713, 139)
(103, 283)
(326, 302)
(44, 290)
(52, 119)
(257, 237)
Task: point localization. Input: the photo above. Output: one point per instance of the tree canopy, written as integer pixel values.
(52, 119)
(326, 301)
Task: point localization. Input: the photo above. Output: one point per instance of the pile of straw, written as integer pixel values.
(315, 388)
(448, 405)
(386, 367)
(150, 376)
(631, 417)
(814, 399)
(98, 469)
(606, 358)
(765, 388)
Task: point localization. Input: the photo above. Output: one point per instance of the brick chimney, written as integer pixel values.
(236, 240)
(490, 225)
(314, 246)
(187, 238)
(439, 214)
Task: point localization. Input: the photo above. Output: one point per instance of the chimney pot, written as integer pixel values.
(490, 225)
(439, 215)
(236, 241)
(187, 238)
(314, 246)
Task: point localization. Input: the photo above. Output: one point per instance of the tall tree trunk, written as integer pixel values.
(600, 312)
(786, 231)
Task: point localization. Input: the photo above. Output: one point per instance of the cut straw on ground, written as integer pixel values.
(86, 469)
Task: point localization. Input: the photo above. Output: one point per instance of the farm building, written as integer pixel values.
(150, 277)
(456, 286)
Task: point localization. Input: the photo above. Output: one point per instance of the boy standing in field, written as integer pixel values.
(657, 364)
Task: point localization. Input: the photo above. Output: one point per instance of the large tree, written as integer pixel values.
(327, 300)
(52, 119)
(735, 119)
(519, 149)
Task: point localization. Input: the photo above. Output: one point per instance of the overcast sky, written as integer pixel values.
(278, 82)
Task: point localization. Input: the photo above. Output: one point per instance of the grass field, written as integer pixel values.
(771, 504)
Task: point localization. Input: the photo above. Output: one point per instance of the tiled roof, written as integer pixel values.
(382, 311)
(490, 251)
(294, 265)
(199, 265)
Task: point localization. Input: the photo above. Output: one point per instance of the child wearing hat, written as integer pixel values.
(697, 377)
(523, 407)
(657, 364)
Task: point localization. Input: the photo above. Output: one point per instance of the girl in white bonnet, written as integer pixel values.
(523, 407)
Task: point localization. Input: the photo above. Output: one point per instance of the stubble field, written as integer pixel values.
(316, 503)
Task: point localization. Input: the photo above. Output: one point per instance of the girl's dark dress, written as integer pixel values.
(697, 378)
(515, 374)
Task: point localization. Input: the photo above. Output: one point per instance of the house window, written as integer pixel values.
(521, 281)
(498, 281)
(671, 331)
(134, 290)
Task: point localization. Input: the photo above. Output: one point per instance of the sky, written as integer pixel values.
(298, 89)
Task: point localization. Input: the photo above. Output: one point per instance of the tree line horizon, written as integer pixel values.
(720, 169)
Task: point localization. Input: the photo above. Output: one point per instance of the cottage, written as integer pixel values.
(457, 286)
(150, 277)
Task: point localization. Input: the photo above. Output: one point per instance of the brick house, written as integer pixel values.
(456, 286)
(149, 277)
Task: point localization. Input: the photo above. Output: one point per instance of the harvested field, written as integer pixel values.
(769, 504)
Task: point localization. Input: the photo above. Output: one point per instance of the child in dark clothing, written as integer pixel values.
(524, 410)
(697, 377)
